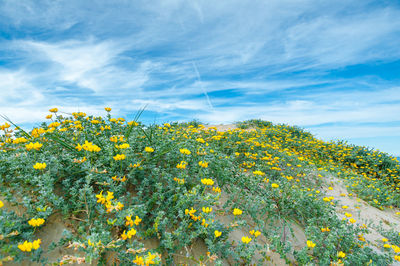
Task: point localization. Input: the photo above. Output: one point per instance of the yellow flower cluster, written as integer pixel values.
(28, 246)
(149, 259)
(117, 138)
(246, 239)
(185, 151)
(54, 125)
(20, 140)
(88, 146)
(128, 235)
(122, 179)
(130, 222)
(255, 233)
(53, 110)
(310, 244)
(39, 166)
(200, 140)
(148, 149)
(78, 114)
(207, 181)
(36, 132)
(217, 233)
(119, 157)
(1, 204)
(207, 209)
(216, 189)
(5, 126)
(341, 254)
(108, 203)
(274, 185)
(237, 211)
(33, 146)
(122, 146)
(181, 165)
(36, 222)
(133, 123)
(180, 181)
(258, 172)
(203, 164)
(191, 213)
(108, 109)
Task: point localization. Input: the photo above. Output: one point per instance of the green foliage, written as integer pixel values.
(120, 186)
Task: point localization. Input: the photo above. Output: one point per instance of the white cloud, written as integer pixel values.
(274, 56)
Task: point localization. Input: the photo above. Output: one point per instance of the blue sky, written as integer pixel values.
(332, 67)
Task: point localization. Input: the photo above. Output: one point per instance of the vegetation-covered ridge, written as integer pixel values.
(127, 194)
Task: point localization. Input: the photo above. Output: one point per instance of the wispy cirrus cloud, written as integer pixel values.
(326, 66)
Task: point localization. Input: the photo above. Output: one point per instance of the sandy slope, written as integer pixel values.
(361, 211)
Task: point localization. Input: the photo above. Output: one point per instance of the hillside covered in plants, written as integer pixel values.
(105, 191)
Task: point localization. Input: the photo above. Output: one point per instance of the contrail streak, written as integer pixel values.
(201, 85)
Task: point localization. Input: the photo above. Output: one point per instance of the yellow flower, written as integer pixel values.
(20, 140)
(397, 258)
(237, 211)
(133, 123)
(53, 110)
(385, 239)
(36, 244)
(203, 223)
(387, 246)
(26, 246)
(108, 109)
(110, 195)
(341, 254)
(123, 235)
(203, 164)
(310, 244)
(35, 146)
(123, 146)
(100, 198)
(216, 189)
(149, 259)
(274, 185)
(138, 260)
(88, 146)
(200, 140)
(246, 239)
(36, 222)
(119, 157)
(129, 221)
(258, 172)
(148, 149)
(137, 220)
(207, 181)
(352, 221)
(255, 233)
(1, 204)
(217, 233)
(181, 165)
(348, 214)
(131, 233)
(207, 209)
(345, 207)
(185, 151)
(39, 166)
